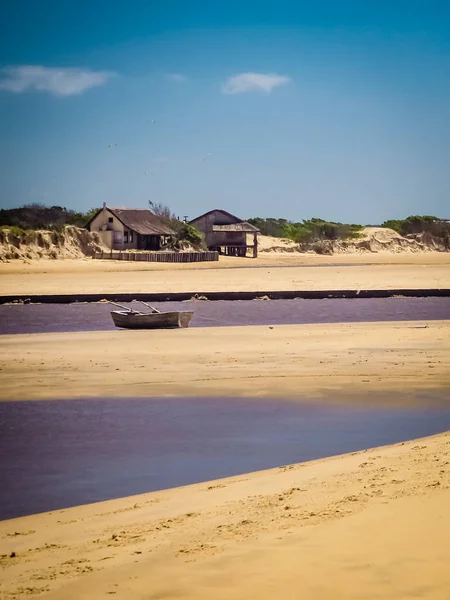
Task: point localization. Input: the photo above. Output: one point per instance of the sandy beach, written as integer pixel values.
(267, 415)
(281, 360)
(267, 273)
(375, 522)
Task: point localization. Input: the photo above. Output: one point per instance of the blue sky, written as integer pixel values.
(338, 109)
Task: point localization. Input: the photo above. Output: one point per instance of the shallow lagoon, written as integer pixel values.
(56, 454)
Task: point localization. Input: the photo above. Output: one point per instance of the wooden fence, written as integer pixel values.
(172, 257)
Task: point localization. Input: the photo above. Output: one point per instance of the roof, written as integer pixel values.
(224, 212)
(233, 226)
(139, 220)
(244, 227)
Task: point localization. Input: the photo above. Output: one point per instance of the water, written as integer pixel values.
(40, 318)
(59, 454)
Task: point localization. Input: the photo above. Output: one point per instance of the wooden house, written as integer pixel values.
(130, 229)
(227, 233)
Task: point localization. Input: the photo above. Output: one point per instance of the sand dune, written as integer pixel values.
(370, 240)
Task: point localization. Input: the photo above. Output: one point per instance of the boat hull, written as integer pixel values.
(164, 320)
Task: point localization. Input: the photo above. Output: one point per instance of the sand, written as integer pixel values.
(370, 239)
(307, 272)
(275, 361)
(371, 524)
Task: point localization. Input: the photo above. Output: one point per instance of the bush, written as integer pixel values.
(13, 230)
(394, 224)
(271, 226)
(38, 216)
(307, 231)
(185, 233)
(190, 234)
(418, 224)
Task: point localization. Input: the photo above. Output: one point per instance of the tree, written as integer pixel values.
(162, 211)
(185, 233)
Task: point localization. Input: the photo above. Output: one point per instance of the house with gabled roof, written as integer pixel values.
(130, 228)
(227, 233)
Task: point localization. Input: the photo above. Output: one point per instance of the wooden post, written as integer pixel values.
(255, 245)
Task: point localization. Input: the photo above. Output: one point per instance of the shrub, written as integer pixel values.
(415, 224)
(306, 231)
(38, 216)
(190, 234)
(318, 229)
(271, 226)
(185, 233)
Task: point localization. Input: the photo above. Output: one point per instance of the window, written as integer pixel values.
(125, 237)
(110, 220)
(130, 239)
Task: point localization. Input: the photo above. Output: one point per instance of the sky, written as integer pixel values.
(338, 109)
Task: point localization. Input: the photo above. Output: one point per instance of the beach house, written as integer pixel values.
(130, 229)
(227, 233)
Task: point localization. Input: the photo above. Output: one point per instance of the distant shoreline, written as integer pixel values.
(216, 296)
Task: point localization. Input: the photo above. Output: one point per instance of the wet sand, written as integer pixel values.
(272, 361)
(306, 272)
(371, 524)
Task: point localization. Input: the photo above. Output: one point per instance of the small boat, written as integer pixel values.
(133, 319)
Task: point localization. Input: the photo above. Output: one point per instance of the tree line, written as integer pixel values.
(54, 218)
(38, 216)
(306, 231)
(418, 224)
(311, 230)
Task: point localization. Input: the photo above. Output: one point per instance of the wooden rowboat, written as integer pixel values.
(162, 320)
(132, 319)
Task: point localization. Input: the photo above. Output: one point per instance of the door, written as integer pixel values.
(117, 240)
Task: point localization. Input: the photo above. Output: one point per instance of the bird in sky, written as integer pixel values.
(112, 145)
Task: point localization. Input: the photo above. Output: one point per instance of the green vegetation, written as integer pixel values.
(307, 231)
(23, 222)
(425, 224)
(190, 234)
(271, 226)
(30, 217)
(14, 231)
(186, 234)
(38, 216)
(417, 224)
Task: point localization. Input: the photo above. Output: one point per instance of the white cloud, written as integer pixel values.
(57, 81)
(254, 82)
(176, 77)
